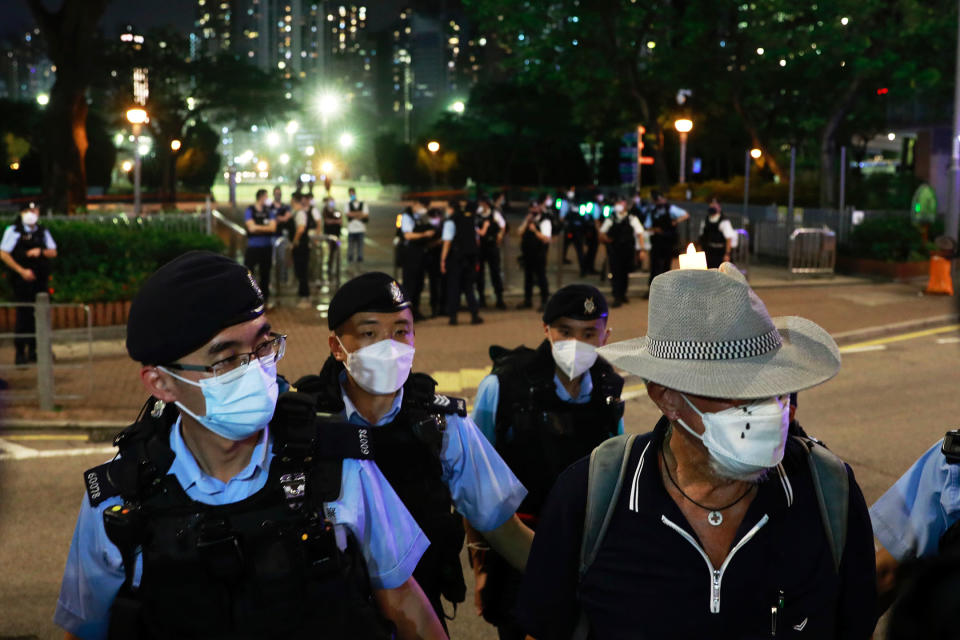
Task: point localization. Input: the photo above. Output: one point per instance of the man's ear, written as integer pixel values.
(157, 384)
(667, 400)
(605, 336)
(336, 349)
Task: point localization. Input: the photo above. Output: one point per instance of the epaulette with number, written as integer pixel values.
(449, 405)
(99, 485)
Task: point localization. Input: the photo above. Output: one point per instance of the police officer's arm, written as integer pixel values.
(512, 540)
(8, 260)
(410, 611)
(298, 234)
(887, 567)
(483, 228)
(677, 220)
(443, 255)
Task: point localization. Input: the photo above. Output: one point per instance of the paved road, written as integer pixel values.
(890, 401)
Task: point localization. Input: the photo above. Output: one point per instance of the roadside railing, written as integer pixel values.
(812, 252)
(45, 392)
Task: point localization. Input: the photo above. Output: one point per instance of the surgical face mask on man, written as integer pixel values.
(380, 368)
(29, 218)
(573, 357)
(744, 441)
(238, 403)
(620, 211)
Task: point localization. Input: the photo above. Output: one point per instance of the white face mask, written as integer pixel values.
(573, 357)
(30, 218)
(380, 368)
(548, 202)
(238, 403)
(747, 440)
(570, 195)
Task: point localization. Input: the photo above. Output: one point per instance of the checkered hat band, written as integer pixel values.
(729, 350)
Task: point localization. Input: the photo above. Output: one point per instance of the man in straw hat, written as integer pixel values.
(716, 524)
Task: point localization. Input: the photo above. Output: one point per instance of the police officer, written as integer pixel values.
(491, 228)
(535, 232)
(716, 236)
(304, 226)
(283, 214)
(429, 449)
(416, 232)
(544, 409)
(209, 524)
(458, 260)
(622, 233)
(26, 249)
(663, 220)
(261, 225)
(438, 280)
(358, 216)
(332, 227)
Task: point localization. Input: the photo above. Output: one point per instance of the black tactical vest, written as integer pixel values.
(28, 240)
(622, 237)
(488, 239)
(537, 433)
(530, 244)
(267, 566)
(408, 454)
(712, 239)
(464, 245)
(667, 237)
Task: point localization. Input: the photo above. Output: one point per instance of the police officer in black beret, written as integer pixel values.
(427, 446)
(544, 409)
(228, 514)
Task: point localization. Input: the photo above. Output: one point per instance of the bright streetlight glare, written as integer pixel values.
(683, 125)
(346, 140)
(326, 166)
(136, 115)
(43, 99)
(118, 139)
(144, 149)
(292, 127)
(458, 106)
(284, 158)
(273, 139)
(328, 104)
(175, 145)
(126, 166)
(755, 153)
(891, 136)
(433, 146)
(309, 150)
(262, 165)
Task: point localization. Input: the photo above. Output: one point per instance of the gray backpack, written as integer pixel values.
(608, 466)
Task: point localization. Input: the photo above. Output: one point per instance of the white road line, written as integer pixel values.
(868, 347)
(948, 340)
(10, 451)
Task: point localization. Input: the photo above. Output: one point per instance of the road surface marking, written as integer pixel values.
(10, 451)
(47, 436)
(861, 349)
(903, 336)
(948, 340)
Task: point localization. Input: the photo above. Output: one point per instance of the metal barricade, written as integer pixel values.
(325, 262)
(45, 392)
(282, 264)
(740, 254)
(812, 252)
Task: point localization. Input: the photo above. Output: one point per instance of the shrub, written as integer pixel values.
(891, 238)
(108, 262)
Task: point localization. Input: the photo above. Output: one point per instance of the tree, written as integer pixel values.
(69, 35)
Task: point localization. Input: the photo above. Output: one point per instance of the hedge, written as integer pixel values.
(892, 238)
(99, 262)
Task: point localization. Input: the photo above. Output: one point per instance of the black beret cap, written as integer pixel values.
(186, 302)
(576, 301)
(373, 291)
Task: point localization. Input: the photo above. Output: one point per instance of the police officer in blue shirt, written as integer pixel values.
(919, 516)
(212, 524)
(416, 233)
(260, 221)
(458, 259)
(544, 409)
(432, 453)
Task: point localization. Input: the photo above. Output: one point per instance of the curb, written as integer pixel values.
(868, 333)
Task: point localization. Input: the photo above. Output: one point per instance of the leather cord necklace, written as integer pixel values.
(714, 517)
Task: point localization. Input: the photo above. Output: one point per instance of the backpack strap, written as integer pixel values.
(608, 461)
(832, 486)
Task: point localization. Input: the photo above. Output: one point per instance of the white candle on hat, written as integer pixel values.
(693, 259)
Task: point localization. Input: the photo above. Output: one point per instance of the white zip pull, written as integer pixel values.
(715, 592)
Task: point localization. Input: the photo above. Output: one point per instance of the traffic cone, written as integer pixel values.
(940, 281)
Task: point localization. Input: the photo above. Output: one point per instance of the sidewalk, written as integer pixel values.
(108, 389)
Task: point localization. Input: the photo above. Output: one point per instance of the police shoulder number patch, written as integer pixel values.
(450, 404)
(99, 487)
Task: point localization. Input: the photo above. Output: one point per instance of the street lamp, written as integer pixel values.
(175, 145)
(292, 127)
(433, 146)
(136, 117)
(273, 139)
(43, 99)
(683, 127)
(328, 104)
(755, 153)
(346, 140)
(458, 107)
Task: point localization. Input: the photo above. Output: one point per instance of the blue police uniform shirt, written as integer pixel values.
(11, 236)
(482, 486)
(388, 536)
(488, 398)
(260, 240)
(449, 230)
(407, 223)
(910, 518)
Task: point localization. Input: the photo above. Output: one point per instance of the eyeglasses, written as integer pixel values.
(266, 353)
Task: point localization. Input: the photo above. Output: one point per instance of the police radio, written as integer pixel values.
(951, 446)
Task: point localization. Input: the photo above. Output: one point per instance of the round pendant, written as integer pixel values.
(715, 518)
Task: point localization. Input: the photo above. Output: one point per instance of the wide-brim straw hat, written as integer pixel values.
(709, 334)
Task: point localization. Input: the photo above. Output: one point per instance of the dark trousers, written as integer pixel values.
(591, 242)
(535, 271)
(661, 255)
(715, 257)
(460, 279)
(621, 264)
(490, 257)
(26, 320)
(500, 598)
(437, 285)
(413, 271)
(301, 267)
(260, 261)
(573, 236)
